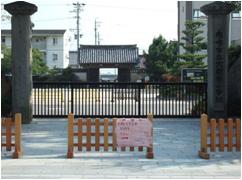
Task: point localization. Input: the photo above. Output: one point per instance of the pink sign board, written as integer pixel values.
(133, 132)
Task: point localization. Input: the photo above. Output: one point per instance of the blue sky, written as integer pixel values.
(121, 21)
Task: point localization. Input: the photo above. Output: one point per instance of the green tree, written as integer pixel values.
(38, 64)
(194, 42)
(235, 4)
(162, 56)
(172, 52)
(6, 60)
(234, 53)
(156, 63)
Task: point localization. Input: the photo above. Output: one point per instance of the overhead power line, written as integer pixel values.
(57, 4)
(44, 20)
(130, 8)
(54, 19)
(110, 6)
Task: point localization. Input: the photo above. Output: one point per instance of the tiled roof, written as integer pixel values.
(108, 54)
(38, 31)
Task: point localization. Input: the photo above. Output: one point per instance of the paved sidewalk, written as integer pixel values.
(176, 144)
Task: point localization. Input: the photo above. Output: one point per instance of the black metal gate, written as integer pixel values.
(54, 99)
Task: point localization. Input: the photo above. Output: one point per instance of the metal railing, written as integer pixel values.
(58, 99)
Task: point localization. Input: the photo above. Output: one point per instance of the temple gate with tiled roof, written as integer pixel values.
(123, 57)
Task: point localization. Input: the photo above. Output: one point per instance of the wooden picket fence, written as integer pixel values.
(224, 134)
(107, 132)
(12, 128)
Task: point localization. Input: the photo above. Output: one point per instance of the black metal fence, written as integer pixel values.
(52, 99)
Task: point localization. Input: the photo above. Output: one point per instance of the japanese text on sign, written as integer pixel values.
(133, 132)
(219, 70)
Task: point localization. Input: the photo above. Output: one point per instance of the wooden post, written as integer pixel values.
(79, 134)
(140, 148)
(105, 134)
(238, 134)
(97, 135)
(18, 148)
(150, 154)
(221, 134)
(213, 135)
(230, 134)
(70, 135)
(89, 135)
(114, 141)
(8, 126)
(203, 129)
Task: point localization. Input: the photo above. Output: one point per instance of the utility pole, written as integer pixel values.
(97, 36)
(78, 6)
(95, 30)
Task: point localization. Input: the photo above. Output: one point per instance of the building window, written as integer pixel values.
(55, 57)
(236, 15)
(54, 41)
(197, 14)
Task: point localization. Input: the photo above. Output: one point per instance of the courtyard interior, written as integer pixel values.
(176, 144)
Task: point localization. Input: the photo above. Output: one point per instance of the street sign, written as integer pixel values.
(194, 75)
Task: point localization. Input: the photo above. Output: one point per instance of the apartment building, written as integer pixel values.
(53, 43)
(190, 10)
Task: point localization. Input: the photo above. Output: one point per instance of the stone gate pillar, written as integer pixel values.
(21, 57)
(218, 31)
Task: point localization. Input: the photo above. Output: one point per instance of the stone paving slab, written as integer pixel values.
(176, 143)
